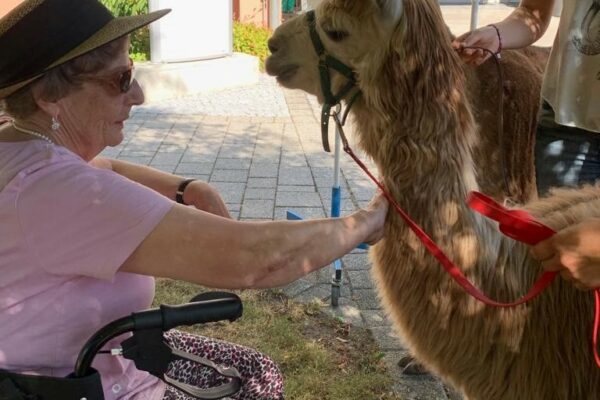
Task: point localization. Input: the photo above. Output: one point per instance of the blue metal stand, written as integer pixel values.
(336, 201)
(336, 205)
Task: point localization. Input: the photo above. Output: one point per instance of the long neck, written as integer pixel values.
(420, 138)
(415, 122)
(428, 170)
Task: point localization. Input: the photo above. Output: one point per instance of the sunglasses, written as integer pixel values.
(121, 81)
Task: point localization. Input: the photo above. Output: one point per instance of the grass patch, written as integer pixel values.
(321, 357)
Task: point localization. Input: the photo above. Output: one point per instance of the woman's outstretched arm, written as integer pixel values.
(199, 247)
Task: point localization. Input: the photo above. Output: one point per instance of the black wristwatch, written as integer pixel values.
(181, 189)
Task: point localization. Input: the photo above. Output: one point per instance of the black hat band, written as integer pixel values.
(55, 27)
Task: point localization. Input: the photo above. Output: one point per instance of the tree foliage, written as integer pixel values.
(140, 39)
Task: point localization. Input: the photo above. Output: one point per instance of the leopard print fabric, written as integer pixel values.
(261, 378)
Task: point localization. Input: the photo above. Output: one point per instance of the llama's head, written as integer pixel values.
(355, 32)
(400, 55)
(399, 44)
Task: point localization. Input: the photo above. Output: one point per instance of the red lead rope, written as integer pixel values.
(516, 224)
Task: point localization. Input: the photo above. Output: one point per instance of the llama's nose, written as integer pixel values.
(273, 45)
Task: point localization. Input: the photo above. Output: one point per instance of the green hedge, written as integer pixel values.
(140, 39)
(250, 39)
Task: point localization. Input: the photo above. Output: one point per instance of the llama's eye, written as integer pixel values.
(337, 36)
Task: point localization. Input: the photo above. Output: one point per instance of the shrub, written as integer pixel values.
(140, 39)
(251, 39)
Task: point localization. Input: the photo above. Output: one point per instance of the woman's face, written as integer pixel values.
(92, 117)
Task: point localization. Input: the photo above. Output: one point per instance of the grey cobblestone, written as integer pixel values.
(229, 175)
(289, 159)
(201, 168)
(298, 199)
(295, 176)
(356, 262)
(366, 299)
(264, 170)
(360, 279)
(161, 158)
(236, 151)
(385, 337)
(259, 194)
(262, 182)
(233, 163)
(292, 188)
(200, 154)
(374, 318)
(262, 100)
(257, 209)
(346, 204)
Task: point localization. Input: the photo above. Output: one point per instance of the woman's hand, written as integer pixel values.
(485, 37)
(206, 198)
(376, 212)
(575, 252)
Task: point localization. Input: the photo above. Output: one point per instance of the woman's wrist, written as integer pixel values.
(367, 221)
(180, 192)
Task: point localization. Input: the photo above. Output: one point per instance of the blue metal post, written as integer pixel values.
(336, 205)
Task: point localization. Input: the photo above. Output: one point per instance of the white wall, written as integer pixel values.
(194, 30)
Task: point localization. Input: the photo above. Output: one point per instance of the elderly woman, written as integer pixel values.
(83, 237)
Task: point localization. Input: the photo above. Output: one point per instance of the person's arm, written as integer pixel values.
(198, 247)
(198, 193)
(575, 252)
(525, 25)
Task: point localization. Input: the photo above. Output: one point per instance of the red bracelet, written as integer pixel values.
(499, 40)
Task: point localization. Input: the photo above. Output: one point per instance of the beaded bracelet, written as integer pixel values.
(497, 54)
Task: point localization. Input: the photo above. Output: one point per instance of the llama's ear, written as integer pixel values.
(391, 10)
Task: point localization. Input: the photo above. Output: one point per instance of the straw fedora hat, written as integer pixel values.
(39, 35)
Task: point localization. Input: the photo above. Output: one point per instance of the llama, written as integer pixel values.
(415, 119)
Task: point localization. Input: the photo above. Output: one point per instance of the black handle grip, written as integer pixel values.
(223, 306)
(206, 307)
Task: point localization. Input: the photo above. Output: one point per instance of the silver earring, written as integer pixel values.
(55, 124)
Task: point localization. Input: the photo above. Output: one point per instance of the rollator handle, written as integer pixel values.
(206, 307)
(211, 307)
